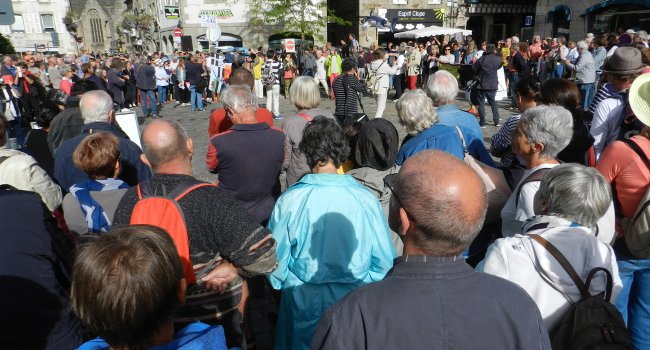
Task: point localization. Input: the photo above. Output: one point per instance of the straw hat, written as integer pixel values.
(639, 97)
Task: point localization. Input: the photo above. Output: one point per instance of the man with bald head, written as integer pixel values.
(218, 121)
(219, 230)
(96, 108)
(432, 299)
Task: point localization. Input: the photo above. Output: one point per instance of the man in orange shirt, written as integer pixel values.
(218, 120)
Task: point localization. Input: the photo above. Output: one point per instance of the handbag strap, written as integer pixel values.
(637, 149)
(566, 265)
(462, 139)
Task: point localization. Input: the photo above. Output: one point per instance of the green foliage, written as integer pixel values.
(6, 47)
(145, 24)
(71, 21)
(301, 16)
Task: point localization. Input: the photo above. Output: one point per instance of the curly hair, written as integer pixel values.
(323, 141)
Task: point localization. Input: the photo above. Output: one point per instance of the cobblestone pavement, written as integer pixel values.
(264, 310)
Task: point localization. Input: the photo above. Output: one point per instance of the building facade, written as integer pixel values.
(38, 26)
(98, 29)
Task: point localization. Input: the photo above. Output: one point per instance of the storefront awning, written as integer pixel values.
(566, 10)
(608, 3)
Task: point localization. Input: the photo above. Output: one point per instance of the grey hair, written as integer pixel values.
(239, 98)
(582, 44)
(65, 69)
(304, 93)
(166, 148)
(550, 125)
(643, 35)
(442, 87)
(537, 38)
(415, 111)
(515, 39)
(576, 193)
(95, 106)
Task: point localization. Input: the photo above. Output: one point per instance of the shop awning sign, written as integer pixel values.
(172, 12)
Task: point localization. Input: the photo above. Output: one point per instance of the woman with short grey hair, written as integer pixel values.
(542, 132)
(417, 115)
(570, 200)
(304, 94)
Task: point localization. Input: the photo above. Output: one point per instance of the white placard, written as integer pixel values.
(209, 22)
(128, 121)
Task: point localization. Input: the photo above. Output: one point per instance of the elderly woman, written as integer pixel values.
(116, 83)
(542, 132)
(90, 205)
(374, 155)
(331, 235)
(570, 200)
(66, 81)
(304, 94)
(380, 68)
(418, 116)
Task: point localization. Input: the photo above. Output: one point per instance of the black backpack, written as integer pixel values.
(592, 323)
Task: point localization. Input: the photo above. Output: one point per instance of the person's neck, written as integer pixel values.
(535, 162)
(247, 117)
(162, 337)
(328, 168)
(178, 167)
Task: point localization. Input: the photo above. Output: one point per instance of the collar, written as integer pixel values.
(329, 179)
(250, 127)
(538, 222)
(103, 126)
(423, 266)
(448, 106)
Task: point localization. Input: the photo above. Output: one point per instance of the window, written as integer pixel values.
(96, 32)
(48, 23)
(19, 25)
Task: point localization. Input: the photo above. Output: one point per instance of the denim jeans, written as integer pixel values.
(398, 82)
(490, 96)
(587, 94)
(162, 94)
(514, 79)
(196, 98)
(634, 300)
(558, 72)
(152, 99)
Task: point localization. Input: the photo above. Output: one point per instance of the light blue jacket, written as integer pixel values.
(332, 237)
(451, 115)
(438, 136)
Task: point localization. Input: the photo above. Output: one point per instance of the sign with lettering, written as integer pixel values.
(172, 12)
(209, 22)
(412, 15)
(528, 21)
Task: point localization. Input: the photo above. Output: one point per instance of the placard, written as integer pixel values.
(128, 121)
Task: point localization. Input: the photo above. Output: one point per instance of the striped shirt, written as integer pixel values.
(605, 92)
(501, 142)
(346, 89)
(276, 67)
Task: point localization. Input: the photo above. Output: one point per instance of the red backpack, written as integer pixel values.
(165, 212)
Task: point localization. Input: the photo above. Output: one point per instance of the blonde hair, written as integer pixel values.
(304, 93)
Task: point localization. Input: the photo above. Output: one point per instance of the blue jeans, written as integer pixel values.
(152, 99)
(490, 95)
(587, 94)
(557, 72)
(196, 99)
(634, 300)
(162, 94)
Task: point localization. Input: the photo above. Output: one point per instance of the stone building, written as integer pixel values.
(38, 26)
(98, 25)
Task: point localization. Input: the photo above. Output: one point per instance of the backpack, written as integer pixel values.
(592, 323)
(373, 81)
(165, 212)
(268, 78)
(637, 228)
(630, 124)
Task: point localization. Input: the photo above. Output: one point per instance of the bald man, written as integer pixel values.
(217, 227)
(432, 299)
(218, 121)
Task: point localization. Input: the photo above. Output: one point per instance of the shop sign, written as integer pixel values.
(172, 12)
(412, 15)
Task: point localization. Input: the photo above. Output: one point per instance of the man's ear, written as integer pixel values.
(111, 116)
(538, 147)
(406, 224)
(145, 160)
(190, 146)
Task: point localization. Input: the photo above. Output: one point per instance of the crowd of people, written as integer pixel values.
(435, 241)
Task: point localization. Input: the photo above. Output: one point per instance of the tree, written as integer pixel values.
(71, 21)
(6, 47)
(307, 17)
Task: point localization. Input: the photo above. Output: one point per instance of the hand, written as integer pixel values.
(219, 278)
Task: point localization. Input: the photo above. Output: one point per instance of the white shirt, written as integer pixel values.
(447, 58)
(606, 124)
(321, 73)
(399, 64)
(161, 74)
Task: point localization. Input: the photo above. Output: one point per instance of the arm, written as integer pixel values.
(288, 144)
(38, 181)
(383, 251)
(280, 224)
(211, 159)
(496, 260)
(600, 129)
(502, 140)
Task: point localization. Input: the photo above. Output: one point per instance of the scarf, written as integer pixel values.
(96, 218)
(546, 221)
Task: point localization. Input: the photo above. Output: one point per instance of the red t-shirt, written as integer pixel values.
(219, 123)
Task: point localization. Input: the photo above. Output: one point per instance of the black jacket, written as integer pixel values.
(193, 72)
(146, 77)
(486, 67)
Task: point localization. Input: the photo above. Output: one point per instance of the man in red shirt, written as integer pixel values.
(218, 120)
